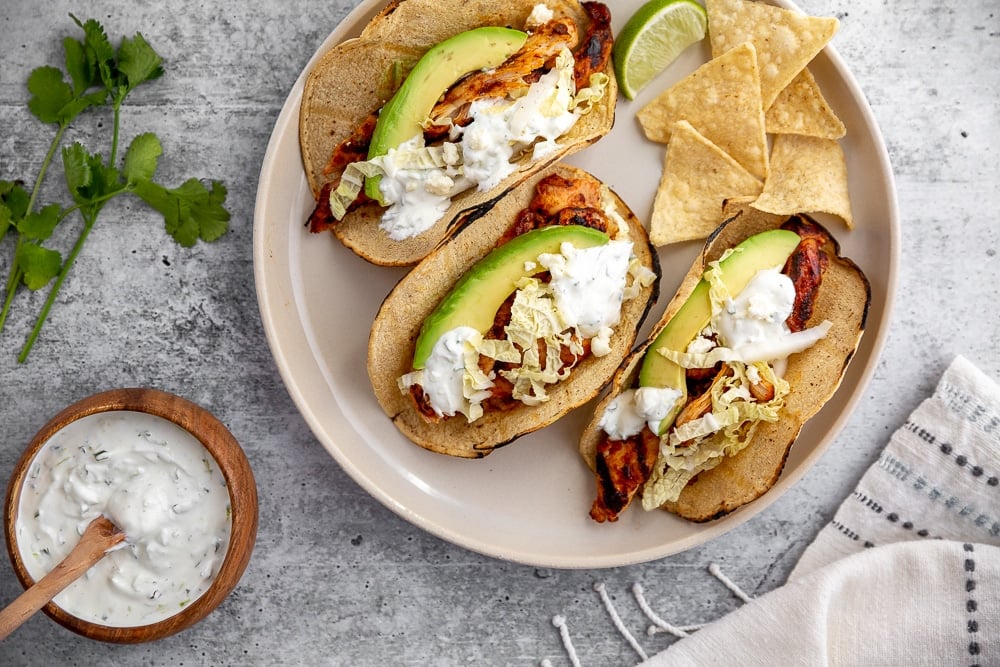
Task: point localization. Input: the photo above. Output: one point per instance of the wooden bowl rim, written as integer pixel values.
(232, 462)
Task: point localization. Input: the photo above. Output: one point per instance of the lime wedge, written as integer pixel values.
(653, 38)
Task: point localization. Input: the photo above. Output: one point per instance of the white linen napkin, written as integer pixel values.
(908, 570)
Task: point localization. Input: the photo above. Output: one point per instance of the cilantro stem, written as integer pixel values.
(15, 274)
(114, 133)
(13, 279)
(89, 215)
(88, 224)
(56, 140)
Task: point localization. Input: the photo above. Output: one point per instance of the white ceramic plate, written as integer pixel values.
(527, 502)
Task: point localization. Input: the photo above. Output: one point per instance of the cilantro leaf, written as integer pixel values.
(141, 158)
(39, 225)
(13, 204)
(100, 53)
(81, 71)
(15, 198)
(76, 167)
(89, 180)
(190, 211)
(50, 94)
(39, 265)
(138, 62)
(55, 101)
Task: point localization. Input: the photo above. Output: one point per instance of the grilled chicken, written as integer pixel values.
(594, 51)
(622, 468)
(515, 74)
(805, 267)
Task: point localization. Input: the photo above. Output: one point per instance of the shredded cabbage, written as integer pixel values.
(534, 316)
(701, 444)
(352, 182)
(562, 97)
(586, 98)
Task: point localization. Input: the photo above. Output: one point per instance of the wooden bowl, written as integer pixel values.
(235, 469)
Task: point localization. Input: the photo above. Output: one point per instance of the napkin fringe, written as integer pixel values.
(658, 624)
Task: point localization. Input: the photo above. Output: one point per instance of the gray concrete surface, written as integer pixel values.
(337, 578)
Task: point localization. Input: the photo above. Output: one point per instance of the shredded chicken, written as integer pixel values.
(555, 192)
(701, 405)
(562, 201)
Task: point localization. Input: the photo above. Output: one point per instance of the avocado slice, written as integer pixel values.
(440, 67)
(477, 296)
(760, 251)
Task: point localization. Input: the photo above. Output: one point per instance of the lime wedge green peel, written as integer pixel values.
(653, 38)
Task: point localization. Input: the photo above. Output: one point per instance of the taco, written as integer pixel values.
(522, 316)
(438, 107)
(700, 418)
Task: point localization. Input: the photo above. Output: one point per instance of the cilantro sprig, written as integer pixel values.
(96, 75)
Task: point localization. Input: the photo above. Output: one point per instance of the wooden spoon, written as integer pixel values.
(97, 539)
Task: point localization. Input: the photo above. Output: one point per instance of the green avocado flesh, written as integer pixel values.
(761, 251)
(477, 296)
(436, 71)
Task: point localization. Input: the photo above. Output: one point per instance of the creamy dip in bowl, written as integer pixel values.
(170, 476)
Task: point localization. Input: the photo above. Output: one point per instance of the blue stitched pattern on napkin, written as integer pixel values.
(939, 476)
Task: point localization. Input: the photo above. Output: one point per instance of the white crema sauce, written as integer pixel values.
(444, 371)
(499, 130)
(752, 323)
(631, 410)
(589, 287)
(158, 484)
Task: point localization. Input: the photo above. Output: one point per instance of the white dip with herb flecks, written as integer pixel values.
(158, 483)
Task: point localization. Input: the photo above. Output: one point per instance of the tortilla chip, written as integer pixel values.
(801, 109)
(721, 99)
(698, 177)
(808, 175)
(786, 40)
